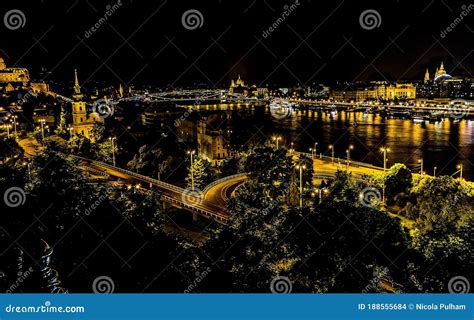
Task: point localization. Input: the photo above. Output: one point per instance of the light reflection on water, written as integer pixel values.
(443, 144)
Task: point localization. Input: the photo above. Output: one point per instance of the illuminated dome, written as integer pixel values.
(442, 77)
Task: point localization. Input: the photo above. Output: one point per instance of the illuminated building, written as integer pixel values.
(427, 76)
(13, 78)
(239, 86)
(82, 121)
(377, 91)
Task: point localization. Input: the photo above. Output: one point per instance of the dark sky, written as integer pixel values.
(144, 41)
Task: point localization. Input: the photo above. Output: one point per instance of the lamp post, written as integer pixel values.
(14, 123)
(434, 171)
(191, 153)
(385, 150)
(42, 121)
(301, 167)
(332, 153)
(70, 129)
(312, 152)
(8, 130)
(420, 161)
(315, 146)
(113, 148)
(276, 139)
(460, 171)
(348, 151)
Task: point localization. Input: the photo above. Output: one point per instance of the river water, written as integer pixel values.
(444, 144)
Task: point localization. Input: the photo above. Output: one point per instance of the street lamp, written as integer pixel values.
(385, 150)
(460, 171)
(315, 145)
(113, 148)
(320, 194)
(301, 167)
(332, 152)
(312, 152)
(8, 129)
(276, 139)
(70, 129)
(14, 123)
(191, 152)
(420, 161)
(434, 171)
(42, 121)
(348, 151)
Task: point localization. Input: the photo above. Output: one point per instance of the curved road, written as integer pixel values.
(220, 193)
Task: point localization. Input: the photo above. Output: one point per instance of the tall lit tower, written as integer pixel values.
(82, 123)
(427, 76)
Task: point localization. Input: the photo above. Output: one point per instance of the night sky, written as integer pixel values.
(145, 41)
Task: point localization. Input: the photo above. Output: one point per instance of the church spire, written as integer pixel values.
(77, 88)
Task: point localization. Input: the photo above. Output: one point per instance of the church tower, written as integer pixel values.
(440, 71)
(79, 112)
(82, 123)
(427, 76)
